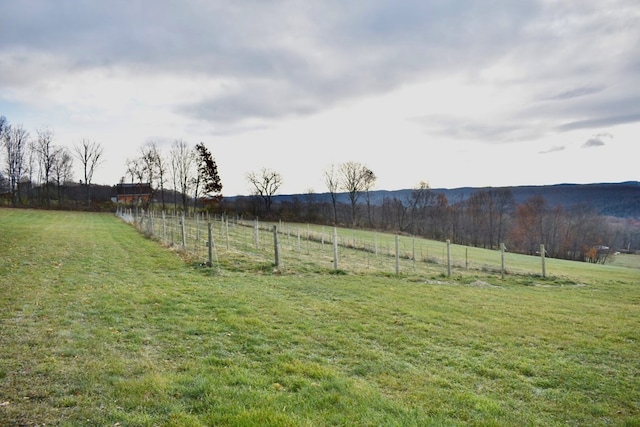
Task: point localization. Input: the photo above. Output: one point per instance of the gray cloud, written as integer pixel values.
(599, 122)
(578, 92)
(470, 129)
(553, 149)
(597, 140)
(292, 58)
(604, 135)
(593, 142)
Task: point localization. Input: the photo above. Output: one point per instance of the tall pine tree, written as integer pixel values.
(208, 177)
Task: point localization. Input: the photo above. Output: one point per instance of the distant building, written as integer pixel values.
(130, 194)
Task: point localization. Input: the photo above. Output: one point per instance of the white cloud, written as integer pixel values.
(430, 85)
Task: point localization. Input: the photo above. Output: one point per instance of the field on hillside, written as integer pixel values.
(102, 326)
(241, 245)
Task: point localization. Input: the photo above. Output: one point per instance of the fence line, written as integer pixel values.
(315, 247)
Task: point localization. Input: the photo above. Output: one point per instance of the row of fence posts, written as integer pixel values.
(128, 216)
(276, 247)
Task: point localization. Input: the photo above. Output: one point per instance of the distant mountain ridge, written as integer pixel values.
(611, 199)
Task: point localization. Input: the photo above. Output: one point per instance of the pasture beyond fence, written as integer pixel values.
(292, 247)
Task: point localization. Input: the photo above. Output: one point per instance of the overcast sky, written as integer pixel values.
(452, 92)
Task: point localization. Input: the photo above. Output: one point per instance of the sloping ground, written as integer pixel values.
(100, 326)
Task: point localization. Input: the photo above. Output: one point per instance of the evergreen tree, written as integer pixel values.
(208, 176)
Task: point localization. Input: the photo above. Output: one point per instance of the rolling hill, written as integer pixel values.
(612, 199)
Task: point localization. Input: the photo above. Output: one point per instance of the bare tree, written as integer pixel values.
(440, 218)
(90, 155)
(62, 169)
(394, 214)
(134, 170)
(356, 179)
(477, 220)
(369, 184)
(15, 141)
(30, 168)
(182, 169)
(418, 202)
(500, 203)
(528, 231)
(46, 153)
(332, 181)
(266, 184)
(150, 170)
(161, 169)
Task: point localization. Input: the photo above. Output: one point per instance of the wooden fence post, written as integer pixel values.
(466, 259)
(210, 244)
(375, 240)
(164, 227)
(257, 234)
(397, 255)
(502, 250)
(413, 249)
(275, 246)
(448, 258)
(335, 248)
(173, 240)
(226, 226)
(544, 269)
(184, 232)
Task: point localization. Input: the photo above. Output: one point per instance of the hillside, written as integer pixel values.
(614, 199)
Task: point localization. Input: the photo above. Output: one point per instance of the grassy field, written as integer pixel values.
(101, 326)
(305, 248)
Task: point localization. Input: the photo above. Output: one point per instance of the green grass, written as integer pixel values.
(100, 326)
(308, 248)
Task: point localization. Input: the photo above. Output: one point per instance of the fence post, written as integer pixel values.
(196, 217)
(275, 246)
(544, 269)
(413, 249)
(257, 234)
(335, 248)
(164, 227)
(210, 244)
(397, 255)
(173, 240)
(184, 234)
(226, 227)
(448, 258)
(466, 259)
(502, 249)
(244, 236)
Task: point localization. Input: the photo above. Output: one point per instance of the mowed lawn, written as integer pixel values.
(101, 326)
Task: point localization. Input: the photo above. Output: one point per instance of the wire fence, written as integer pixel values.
(241, 244)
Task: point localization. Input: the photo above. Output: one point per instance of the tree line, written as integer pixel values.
(486, 218)
(187, 177)
(37, 172)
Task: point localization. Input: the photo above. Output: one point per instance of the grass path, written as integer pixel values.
(101, 326)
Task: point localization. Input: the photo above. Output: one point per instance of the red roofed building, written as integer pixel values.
(129, 194)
